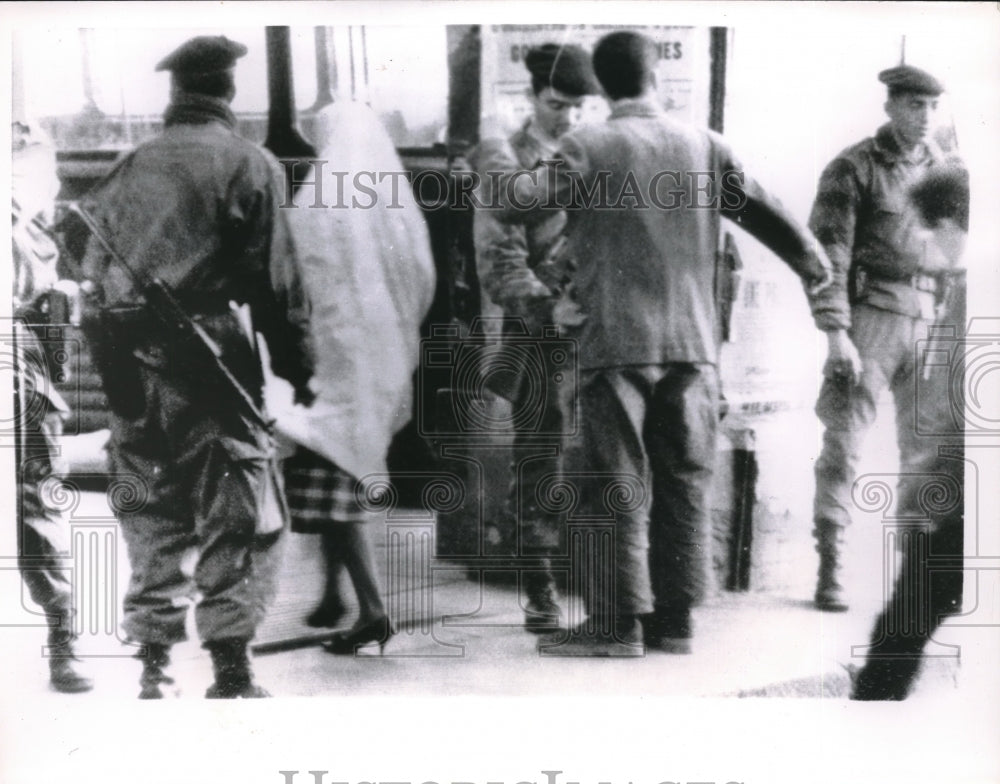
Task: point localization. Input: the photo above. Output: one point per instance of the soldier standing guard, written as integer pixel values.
(888, 281)
(198, 209)
(43, 528)
(526, 271)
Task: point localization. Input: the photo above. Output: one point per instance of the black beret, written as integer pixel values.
(565, 68)
(204, 54)
(907, 79)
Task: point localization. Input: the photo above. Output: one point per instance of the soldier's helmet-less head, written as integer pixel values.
(912, 102)
(561, 77)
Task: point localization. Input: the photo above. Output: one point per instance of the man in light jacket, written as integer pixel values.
(644, 195)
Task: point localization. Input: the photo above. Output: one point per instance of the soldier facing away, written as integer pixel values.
(648, 348)
(197, 208)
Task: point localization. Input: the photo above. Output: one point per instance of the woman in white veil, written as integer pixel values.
(368, 272)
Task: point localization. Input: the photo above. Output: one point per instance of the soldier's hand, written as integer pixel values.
(842, 360)
(532, 305)
(567, 313)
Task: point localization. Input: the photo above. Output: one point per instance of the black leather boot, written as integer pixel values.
(154, 680)
(233, 676)
(542, 613)
(669, 631)
(64, 673)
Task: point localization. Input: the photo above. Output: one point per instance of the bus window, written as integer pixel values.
(406, 84)
(97, 89)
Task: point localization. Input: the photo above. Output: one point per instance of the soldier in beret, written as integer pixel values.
(889, 279)
(198, 208)
(525, 272)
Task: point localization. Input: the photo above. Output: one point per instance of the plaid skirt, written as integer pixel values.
(319, 493)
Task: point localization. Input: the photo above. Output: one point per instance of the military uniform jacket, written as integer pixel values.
(199, 208)
(511, 259)
(646, 248)
(871, 231)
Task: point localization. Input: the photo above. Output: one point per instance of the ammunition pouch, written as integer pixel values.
(48, 310)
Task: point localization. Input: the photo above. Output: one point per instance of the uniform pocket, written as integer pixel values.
(255, 467)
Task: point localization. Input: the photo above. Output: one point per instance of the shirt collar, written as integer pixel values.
(636, 107)
(196, 109)
(545, 144)
(888, 146)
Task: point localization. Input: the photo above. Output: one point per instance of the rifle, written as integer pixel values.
(186, 333)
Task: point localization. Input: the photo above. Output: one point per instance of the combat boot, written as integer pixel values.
(669, 630)
(830, 594)
(64, 673)
(597, 636)
(542, 613)
(155, 682)
(233, 676)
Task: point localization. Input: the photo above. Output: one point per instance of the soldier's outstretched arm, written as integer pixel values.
(763, 216)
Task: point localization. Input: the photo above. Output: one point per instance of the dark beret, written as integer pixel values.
(565, 68)
(204, 54)
(907, 79)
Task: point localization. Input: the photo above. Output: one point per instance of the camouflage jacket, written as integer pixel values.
(871, 232)
(519, 265)
(199, 207)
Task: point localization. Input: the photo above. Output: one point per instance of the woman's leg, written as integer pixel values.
(358, 555)
(331, 607)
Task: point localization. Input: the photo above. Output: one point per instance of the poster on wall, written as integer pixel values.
(682, 73)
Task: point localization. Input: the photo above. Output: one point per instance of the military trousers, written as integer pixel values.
(44, 535)
(207, 481)
(542, 423)
(928, 587)
(649, 436)
(887, 344)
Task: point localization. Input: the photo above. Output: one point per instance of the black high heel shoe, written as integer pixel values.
(346, 643)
